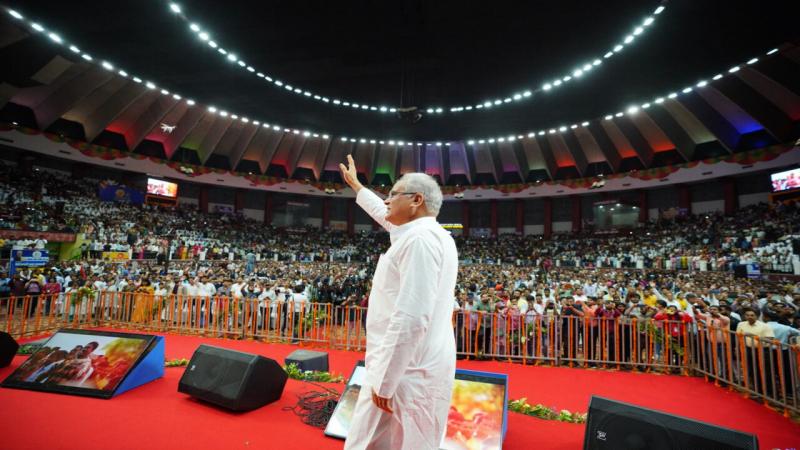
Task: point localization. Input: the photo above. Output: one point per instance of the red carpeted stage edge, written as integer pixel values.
(156, 416)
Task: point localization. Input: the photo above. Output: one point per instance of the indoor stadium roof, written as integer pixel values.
(401, 54)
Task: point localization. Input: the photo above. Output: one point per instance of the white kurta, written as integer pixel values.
(411, 351)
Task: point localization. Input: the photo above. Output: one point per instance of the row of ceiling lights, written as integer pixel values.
(524, 94)
(631, 110)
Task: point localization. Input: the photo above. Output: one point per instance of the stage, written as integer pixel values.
(156, 416)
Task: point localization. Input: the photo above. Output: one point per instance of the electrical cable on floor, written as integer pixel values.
(315, 408)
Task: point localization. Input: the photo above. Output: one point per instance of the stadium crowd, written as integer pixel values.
(677, 267)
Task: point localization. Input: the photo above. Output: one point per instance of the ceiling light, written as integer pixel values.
(54, 37)
(717, 76)
(123, 73)
(276, 128)
(325, 136)
(74, 49)
(541, 133)
(470, 142)
(596, 62)
(608, 55)
(547, 86)
(223, 113)
(363, 141)
(245, 120)
(507, 100)
(557, 83)
(628, 39)
(438, 110)
(190, 102)
(344, 139)
(658, 10)
(164, 92)
(232, 57)
(502, 139)
(702, 83)
(481, 141)
(175, 8)
(585, 124)
(686, 90)
(194, 27)
(733, 69)
(531, 134)
(638, 31)
(633, 109)
(659, 100)
(212, 44)
(773, 51)
(37, 27)
(609, 117)
(619, 114)
(573, 126)
(577, 73)
(203, 36)
(527, 94)
(15, 14)
(672, 95)
(136, 80)
(491, 141)
(617, 48)
(567, 78)
(176, 96)
(391, 142)
(587, 67)
(752, 61)
(150, 85)
(372, 141)
(645, 105)
(497, 102)
(648, 21)
(222, 51)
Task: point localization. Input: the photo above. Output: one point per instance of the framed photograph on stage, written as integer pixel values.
(478, 411)
(339, 424)
(81, 362)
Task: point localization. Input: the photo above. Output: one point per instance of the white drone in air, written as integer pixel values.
(168, 128)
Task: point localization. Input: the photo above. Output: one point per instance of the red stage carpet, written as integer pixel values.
(156, 416)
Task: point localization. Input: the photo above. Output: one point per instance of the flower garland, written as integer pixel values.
(177, 362)
(543, 412)
(295, 373)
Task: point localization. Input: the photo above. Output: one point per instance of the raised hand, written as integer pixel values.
(349, 174)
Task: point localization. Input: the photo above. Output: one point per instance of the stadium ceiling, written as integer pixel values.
(408, 53)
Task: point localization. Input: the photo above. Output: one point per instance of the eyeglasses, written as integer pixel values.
(393, 194)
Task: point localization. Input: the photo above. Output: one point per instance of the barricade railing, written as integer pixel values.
(759, 368)
(755, 367)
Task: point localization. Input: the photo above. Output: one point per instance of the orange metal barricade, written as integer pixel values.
(760, 369)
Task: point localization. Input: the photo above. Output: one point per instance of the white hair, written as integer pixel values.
(425, 185)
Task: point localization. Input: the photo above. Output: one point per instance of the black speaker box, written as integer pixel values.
(621, 426)
(233, 380)
(8, 348)
(308, 360)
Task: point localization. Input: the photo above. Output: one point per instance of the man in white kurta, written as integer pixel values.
(410, 359)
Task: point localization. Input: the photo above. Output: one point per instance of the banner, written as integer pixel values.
(115, 256)
(27, 258)
(16, 235)
(120, 194)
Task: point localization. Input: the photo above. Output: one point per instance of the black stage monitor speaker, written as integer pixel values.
(620, 426)
(8, 348)
(233, 380)
(308, 360)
